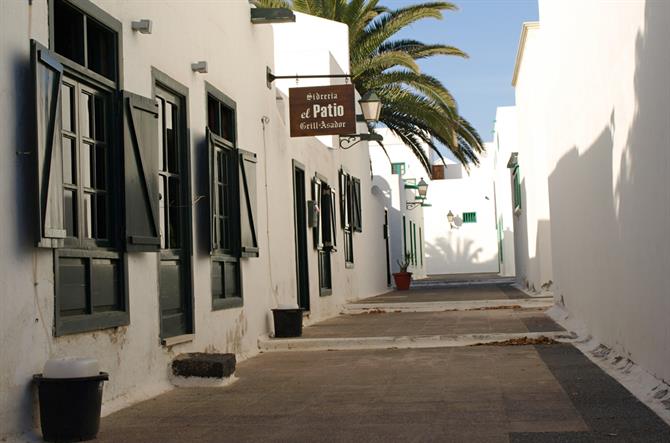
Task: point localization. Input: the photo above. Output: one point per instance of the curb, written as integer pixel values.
(267, 344)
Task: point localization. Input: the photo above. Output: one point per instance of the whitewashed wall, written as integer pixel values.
(607, 123)
(532, 225)
(237, 53)
(392, 192)
(503, 145)
(462, 248)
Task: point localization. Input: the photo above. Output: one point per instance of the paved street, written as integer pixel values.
(540, 393)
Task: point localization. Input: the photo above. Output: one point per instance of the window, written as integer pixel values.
(174, 209)
(84, 40)
(398, 168)
(469, 217)
(516, 195)
(325, 238)
(233, 229)
(350, 212)
(78, 160)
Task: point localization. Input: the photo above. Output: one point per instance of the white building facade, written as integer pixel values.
(592, 149)
(156, 205)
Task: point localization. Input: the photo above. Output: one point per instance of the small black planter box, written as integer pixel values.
(70, 407)
(288, 322)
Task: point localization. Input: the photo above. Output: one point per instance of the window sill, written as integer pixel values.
(325, 292)
(517, 211)
(227, 303)
(177, 340)
(349, 265)
(91, 323)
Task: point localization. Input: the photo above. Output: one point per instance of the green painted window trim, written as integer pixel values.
(414, 257)
(404, 236)
(398, 168)
(516, 175)
(421, 246)
(469, 217)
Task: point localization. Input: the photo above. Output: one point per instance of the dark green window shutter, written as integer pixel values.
(344, 190)
(248, 224)
(47, 77)
(140, 155)
(469, 217)
(328, 218)
(316, 196)
(356, 205)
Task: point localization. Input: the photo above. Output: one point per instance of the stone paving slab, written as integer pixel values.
(472, 394)
(458, 292)
(433, 323)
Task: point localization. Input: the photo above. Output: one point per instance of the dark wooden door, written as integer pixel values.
(300, 217)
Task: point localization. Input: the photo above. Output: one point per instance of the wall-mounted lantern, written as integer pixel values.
(371, 106)
(420, 200)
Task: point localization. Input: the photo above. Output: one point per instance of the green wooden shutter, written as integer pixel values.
(328, 218)
(141, 172)
(356, 203)
(47, 77)
(316, 196)
(248, 225)
(344, 190)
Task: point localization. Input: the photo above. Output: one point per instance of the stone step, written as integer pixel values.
(267, 344)
(439, 306)
(203, 369)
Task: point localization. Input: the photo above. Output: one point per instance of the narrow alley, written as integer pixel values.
(445, 361)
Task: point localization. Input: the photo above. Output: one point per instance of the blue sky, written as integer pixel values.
(488, 30)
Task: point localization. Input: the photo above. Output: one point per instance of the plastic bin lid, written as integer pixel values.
(287, 306)
(71, 367)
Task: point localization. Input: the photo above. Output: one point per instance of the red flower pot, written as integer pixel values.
(402, 280)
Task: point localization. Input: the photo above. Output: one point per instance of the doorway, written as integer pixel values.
(300, 219)
(386, 242)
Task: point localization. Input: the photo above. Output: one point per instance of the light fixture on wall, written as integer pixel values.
(199, 67)
(420, 200)
(371, 106)
(143, 26)
(450, 219)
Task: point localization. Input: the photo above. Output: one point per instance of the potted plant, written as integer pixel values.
(403, 278)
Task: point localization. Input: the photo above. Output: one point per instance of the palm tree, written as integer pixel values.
(417, 107)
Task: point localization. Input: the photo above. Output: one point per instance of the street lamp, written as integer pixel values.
(371, 106)
(420, 200)
(450, 219)
(423, 188)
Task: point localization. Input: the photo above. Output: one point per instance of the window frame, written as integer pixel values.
(99, 15)
(516, 188)
(401, 168)
(324, 253)
(160, 80)
(346, 217)
(219, 256)
(91, 249)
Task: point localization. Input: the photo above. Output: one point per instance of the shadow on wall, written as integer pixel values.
(610, 234)
(457, 256)
(383, 193)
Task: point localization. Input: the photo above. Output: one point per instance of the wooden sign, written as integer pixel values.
(322, 110)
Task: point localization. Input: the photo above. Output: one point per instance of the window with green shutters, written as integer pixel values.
(398, 168)
(79, 161)
(350, 212)
(469, 217)
(233, 219)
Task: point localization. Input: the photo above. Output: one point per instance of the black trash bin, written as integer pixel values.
(288, 322)
(70, 407)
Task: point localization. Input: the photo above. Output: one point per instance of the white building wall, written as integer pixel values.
(607, 122)
(504, 143)
(532, 225)
(237, 54)
(462, 248)
(392, 193)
